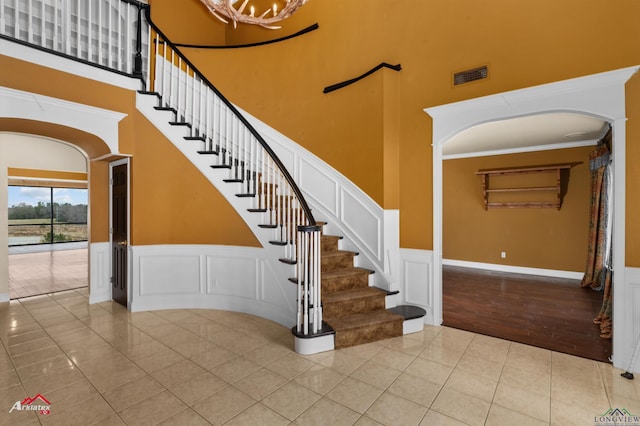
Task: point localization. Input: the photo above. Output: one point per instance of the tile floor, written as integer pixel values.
(46, 268)
(100, 364)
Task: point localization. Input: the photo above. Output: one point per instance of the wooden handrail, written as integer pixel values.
(366, 74)
(261, 43)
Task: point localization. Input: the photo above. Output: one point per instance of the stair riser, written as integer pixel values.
(353, 306)
(329, 244)
(367, 334)
(349, 282)
(334, 263)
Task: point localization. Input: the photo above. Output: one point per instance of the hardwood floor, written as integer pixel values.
(550, 313)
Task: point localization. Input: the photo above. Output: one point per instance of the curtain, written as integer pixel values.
(598, 274)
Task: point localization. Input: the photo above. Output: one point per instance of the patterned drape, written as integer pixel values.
(598, 273)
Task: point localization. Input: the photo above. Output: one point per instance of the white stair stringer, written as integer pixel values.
(281, 272)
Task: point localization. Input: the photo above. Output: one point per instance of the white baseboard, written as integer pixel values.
(4, 297)
(514, 269)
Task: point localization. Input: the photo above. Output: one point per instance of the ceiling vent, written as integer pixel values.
(470, 75)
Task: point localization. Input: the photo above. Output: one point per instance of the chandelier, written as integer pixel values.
(225, 11)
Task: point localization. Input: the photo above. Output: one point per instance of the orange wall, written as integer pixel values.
(524, 44)
(172, 202)
(532, 237)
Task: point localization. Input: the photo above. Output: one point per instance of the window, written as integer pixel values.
(46, 215)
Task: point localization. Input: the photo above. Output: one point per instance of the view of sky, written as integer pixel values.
(32, 195)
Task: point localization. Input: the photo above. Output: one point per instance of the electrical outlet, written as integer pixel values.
(503, 254)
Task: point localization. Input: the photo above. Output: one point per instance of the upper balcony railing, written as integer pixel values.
(104, 33)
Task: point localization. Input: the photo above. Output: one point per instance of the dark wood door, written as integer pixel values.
(119, 243)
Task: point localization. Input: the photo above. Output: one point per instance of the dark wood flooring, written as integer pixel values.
(550, 313)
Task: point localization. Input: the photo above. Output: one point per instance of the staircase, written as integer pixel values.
(356, 312)
(334, 297)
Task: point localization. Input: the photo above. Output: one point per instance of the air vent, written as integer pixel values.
(470, 75)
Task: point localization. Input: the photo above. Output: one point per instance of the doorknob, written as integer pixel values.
(122, 243)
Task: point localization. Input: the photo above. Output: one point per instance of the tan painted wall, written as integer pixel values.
(524, 44)
(173, 203)
(531, 237)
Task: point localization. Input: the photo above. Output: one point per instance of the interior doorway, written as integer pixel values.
(600, 95)
(46, 200)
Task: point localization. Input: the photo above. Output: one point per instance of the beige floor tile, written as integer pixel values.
(320, 379)
(354, 394)
(523, 400)
(527, 376)
(261, 383)
(267, 354)
(112, 420)
(178, 373)
(574, 414)
(186, 417)
(393, 359)
(376, 374)
(452, 338)
(214, 357)
(368, 350)
(235, 369)
(83, 413)
(570, 389)
(341, 361)
(290, 365)
(153, 410)
(415, 389)
(433, 418)
(485, 367)
(472, 384)
(258, 414)
(133, 392)
(197, 388)
(617, 385)
(52, 380)
(392, 409)
(291, 400)
(459, 406)
(499, 416)
(72, 394)
(46, 366)
(429, 370)
(223, 405)
(66, 335)
(160, 359)
(327, 412)
(9, 378)
(26, 337)
(33, 345)
(105, 380)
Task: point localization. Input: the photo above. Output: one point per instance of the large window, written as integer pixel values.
(45, 215)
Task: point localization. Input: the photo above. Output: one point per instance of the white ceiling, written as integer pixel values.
(524, 134)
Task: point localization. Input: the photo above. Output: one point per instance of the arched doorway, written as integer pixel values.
(600, 95)
(92, 130)
(47, 206)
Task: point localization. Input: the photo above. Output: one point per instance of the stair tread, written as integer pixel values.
(355, 293)
(345, 272)
(353, 321)
(337, 253)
